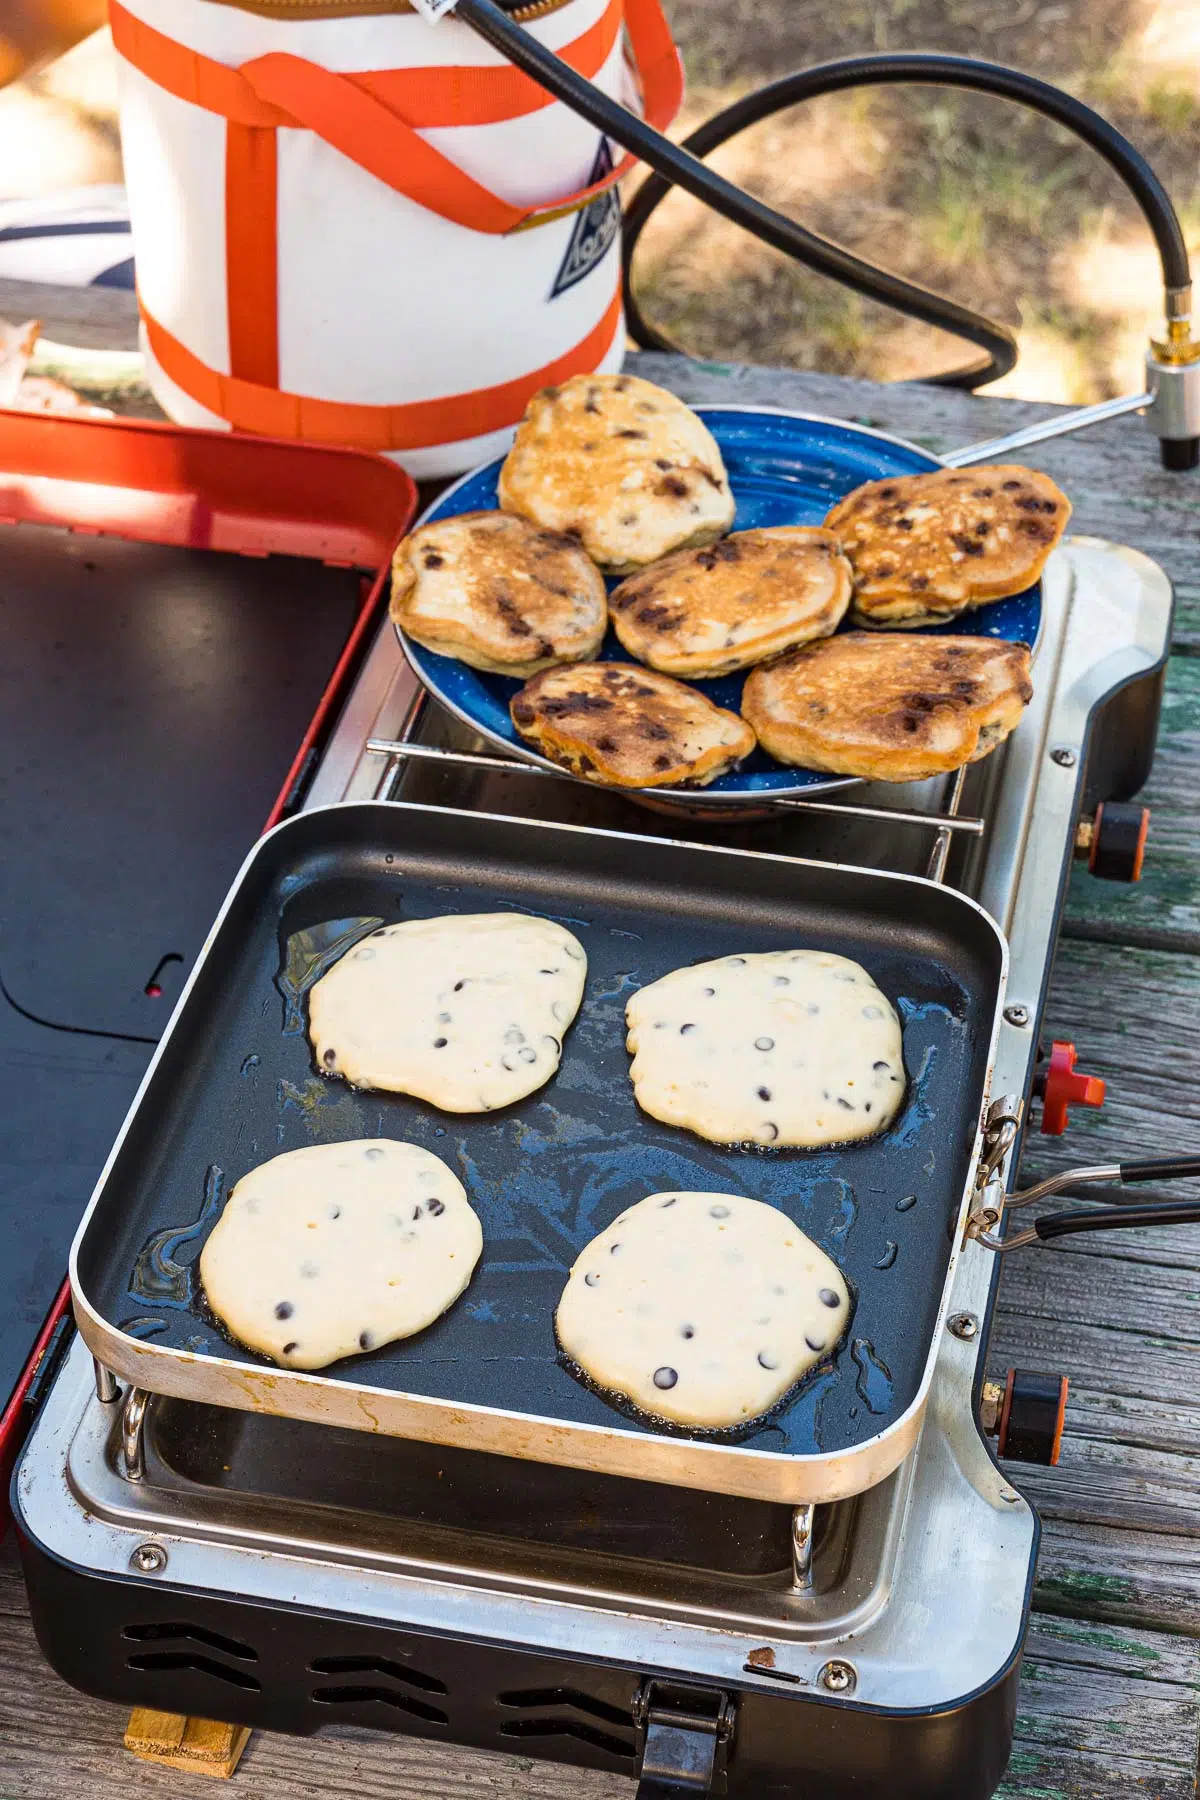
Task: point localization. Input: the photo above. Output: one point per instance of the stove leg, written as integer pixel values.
(106, 1384)
(132, 1442)
(802, 1545)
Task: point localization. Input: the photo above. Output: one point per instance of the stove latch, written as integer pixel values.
(685, 1733)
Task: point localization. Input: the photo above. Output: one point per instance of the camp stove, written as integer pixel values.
(288, 1574)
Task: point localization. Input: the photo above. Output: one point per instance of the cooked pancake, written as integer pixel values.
(621, 463)
(499, 594)
(889, 710)
(925, 547)
(630, 727)
(750, 596)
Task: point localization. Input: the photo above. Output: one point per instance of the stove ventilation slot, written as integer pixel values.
(535, 1699)
(196, 1634)
(176, 1661)
(355, 1693)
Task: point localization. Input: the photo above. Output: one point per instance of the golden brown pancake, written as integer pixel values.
(750, 596)
(621, 463)
(499, 594)
(889, 709)
(628, 726)
(925, 547)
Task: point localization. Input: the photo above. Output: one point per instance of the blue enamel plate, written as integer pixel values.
(785, 469)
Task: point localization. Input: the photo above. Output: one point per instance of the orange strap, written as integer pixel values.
(374, 118)
(262, 408)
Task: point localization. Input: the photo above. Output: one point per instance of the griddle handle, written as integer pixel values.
(1117, 1218)
(1176, 1168)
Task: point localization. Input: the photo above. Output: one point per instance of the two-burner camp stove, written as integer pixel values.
(289, 1574)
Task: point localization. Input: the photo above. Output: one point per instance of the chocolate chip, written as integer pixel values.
(812, 1345)
(335, 1212)
(459, 986)
(687, 1331)
(872, 1012)
(435, 1207)
(590, 1279)
(708, 992)
(289, 1348)
(440, 1043)
(433, 560)
(374, 1154)
(718, 1212)
(781, 981)
(668, 1202)
(764, 1093)
(528, 1054)
(665, 1378)
(329, 1058)
(879, 1065)
(443, 1018)
(364, 1340)
(827, 1297)
(514, 1035)
(764, 1043)
(848, 1104)
(613, 1248)
(416, 1213)
(284, 1310)
(773, 1129)
(767, 1361)
(684, 1029)
(629, 431)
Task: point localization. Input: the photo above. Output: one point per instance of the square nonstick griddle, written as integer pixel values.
(234, 1083)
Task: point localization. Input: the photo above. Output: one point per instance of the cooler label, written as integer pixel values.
(595, 228)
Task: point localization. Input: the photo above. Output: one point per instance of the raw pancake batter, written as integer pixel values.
(788, 1047)
(702, 1308)
(339, 1248)
(467, 1012)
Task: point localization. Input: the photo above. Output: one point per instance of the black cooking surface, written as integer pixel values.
(234, 1089)
(151, 702)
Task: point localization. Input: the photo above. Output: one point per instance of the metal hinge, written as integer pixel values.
(684, 1733)
(1002, 1123)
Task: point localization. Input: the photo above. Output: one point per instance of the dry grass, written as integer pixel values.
(966, 194)
(970, 195)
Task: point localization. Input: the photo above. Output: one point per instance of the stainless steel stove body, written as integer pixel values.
(290, 1575)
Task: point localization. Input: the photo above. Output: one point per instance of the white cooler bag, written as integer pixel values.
(354, 227)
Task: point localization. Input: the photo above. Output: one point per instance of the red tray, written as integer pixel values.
(187, 607)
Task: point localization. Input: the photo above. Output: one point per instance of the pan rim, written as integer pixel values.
(159, 1369)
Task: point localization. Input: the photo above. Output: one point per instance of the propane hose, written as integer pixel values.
(676, 165)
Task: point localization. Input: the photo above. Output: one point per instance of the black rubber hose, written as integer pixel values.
(913, 68)
(1166, 1212)
(678, 167)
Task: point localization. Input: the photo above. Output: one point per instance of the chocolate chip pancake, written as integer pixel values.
(888, 709)
(499, 594)
(736, 602)
(629, 727)
(621, 463)
(925, 547)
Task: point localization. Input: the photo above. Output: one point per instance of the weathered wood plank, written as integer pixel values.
(1134, 1016)
(1127, 1577)
(95, 318)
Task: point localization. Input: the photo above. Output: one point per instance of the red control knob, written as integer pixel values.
(1063, 1087)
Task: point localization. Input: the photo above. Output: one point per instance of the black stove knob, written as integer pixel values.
(1025, 1415)
(1114, 841)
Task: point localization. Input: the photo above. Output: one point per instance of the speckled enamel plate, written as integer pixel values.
(785, 469)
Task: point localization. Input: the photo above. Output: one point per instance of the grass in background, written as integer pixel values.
(990, 204)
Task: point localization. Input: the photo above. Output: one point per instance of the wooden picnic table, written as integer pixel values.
(1110, 1695)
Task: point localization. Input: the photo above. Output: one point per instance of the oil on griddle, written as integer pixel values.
(548, 1173)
